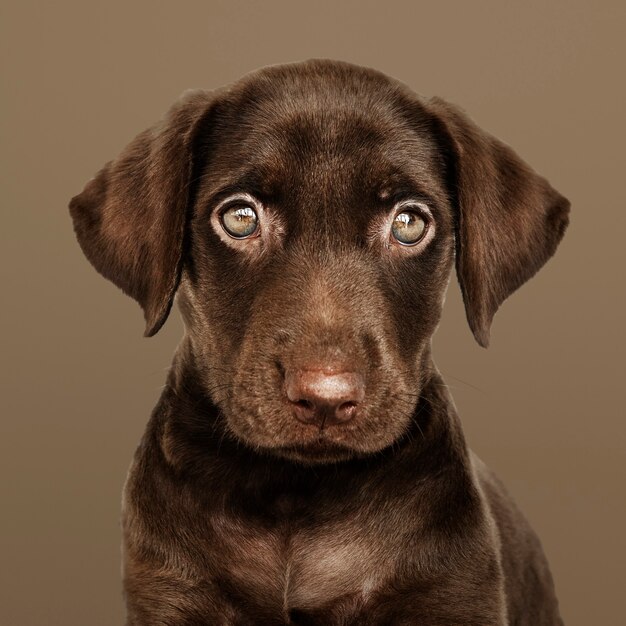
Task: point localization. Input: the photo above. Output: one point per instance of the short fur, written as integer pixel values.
(234, 511)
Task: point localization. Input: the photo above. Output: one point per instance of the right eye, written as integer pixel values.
(408, 228)
(240, 221)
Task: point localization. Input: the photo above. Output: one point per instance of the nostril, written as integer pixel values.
(345, 411)
(347, 406)
(304, 404)
(305, 411)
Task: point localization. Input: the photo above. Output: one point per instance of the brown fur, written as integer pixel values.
(234, 511)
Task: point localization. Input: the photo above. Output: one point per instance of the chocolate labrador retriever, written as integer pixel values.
(305, 463)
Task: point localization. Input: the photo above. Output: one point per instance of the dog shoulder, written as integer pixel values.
(528, 583)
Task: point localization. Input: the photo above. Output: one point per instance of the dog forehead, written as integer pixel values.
(333, 137)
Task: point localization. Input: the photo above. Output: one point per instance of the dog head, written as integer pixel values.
(308, 218)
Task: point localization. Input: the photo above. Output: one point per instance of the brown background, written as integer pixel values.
(543, 405)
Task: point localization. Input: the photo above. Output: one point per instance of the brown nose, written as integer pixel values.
(323, 398)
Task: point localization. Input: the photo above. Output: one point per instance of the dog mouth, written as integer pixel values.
(278, 431)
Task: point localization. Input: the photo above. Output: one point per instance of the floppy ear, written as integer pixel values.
(509, 221)
(130, 218)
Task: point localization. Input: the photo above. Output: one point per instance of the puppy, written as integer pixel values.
(305, 463)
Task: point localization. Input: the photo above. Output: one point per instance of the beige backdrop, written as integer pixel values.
(543, 405)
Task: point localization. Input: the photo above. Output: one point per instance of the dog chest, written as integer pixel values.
(303, 568)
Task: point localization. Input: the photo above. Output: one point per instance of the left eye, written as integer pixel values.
(409, 227)
(240, 221)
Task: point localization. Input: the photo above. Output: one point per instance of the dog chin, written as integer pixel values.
(315, 453)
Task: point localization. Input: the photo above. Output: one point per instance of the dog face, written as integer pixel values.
(308, 218)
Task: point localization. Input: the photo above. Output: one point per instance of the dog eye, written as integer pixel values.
(240, 221)
(409, 227)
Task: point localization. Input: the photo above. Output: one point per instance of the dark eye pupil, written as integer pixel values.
(408, 227)
(240, 221)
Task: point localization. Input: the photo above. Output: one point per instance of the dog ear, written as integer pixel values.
(509, 219)
(130, 218)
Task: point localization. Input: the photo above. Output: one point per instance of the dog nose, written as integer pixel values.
(322, 398)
